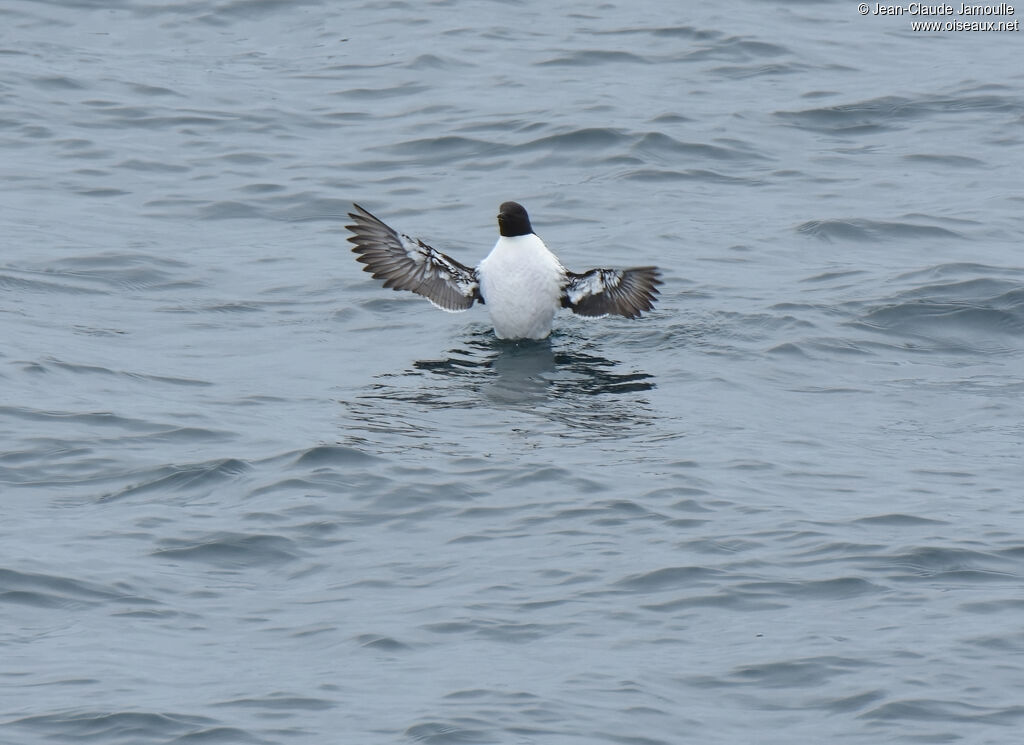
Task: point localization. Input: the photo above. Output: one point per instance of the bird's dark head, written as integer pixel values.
(513, 220)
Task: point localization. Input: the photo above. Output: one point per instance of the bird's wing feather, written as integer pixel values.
(620, 292)
(405, 263)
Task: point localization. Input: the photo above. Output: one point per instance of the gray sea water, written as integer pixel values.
(250, 496)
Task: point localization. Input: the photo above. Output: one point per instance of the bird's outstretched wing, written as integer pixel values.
(620, 292)
(405, 263)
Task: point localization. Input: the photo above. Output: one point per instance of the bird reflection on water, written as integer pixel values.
(559, 380)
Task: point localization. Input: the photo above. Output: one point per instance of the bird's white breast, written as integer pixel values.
(521, 283)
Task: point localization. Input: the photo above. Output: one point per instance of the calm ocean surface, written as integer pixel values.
(249, 496)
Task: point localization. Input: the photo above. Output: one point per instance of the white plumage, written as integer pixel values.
(521, 283)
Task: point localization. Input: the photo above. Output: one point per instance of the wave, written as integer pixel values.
(895, 112)
(856, 229)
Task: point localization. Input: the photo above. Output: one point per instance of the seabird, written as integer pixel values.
(521, 282)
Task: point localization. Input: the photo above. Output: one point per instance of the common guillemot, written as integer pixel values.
(521, 282)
